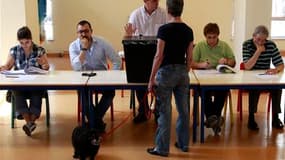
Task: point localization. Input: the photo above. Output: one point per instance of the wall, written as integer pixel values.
(15, 14)
(108, 18)
(32, 18)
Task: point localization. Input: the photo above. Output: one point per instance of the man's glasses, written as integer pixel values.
(83, 31)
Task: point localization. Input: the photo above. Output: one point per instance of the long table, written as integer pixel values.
(105, 80)
(55, 80)
(211, 80)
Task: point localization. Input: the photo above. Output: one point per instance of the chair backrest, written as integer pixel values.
(241, 66)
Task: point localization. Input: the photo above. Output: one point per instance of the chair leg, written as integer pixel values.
(268, 105)
(78, 109)
(231, 108)
(229, 98)
(225, 107)
(112, 111)
(133, 102)
(239, 104)
(12, 112)
(47, 109)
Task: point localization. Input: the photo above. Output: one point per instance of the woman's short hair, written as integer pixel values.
(175, 7)
(211, 28)
(24, 33)
(261, 29)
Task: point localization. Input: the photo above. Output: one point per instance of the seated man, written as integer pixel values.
(89, 52)
(258, 53)
(207, 55)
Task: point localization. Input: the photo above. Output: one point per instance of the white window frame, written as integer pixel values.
(48, 22)
(280, 18)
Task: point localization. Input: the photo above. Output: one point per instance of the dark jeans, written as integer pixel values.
(254, 97)
(35, 105)
(143, 101)
(214, 102)
(103, 105)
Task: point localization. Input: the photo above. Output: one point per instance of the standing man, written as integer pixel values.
(145, 21)
(208, 54)
(89, 52)
(258, 53)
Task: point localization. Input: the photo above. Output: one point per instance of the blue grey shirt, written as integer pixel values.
(96, 57)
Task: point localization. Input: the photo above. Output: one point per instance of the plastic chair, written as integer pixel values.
(239, 99)
(229, 98)
(79, 107)
(13, 116)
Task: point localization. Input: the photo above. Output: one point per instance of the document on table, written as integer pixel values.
(21, 77)
(29, 70)
(13, 72)
(207, 71)
(267, 76)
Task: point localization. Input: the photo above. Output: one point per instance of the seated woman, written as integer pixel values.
(22, 56)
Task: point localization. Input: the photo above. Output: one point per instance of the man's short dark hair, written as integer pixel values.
(211, 28)
(175, 7)
(24, 33)
(83, 22)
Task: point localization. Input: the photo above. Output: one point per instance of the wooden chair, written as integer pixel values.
(239, 99)
(13, 110)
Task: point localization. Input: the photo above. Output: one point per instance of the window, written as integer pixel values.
(278, 19)
(46, 22)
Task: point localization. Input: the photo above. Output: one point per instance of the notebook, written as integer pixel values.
(139, 53)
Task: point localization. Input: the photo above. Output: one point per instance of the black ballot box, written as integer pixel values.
(139, 53)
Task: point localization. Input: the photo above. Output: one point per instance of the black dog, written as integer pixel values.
(86, 142)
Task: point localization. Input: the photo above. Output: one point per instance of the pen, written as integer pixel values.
(10, 76)
(207, 61)
(262, 74)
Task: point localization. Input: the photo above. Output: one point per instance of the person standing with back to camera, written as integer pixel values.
(145, 21)
(169, 74)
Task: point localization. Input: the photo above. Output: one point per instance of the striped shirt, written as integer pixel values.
(271, 54)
